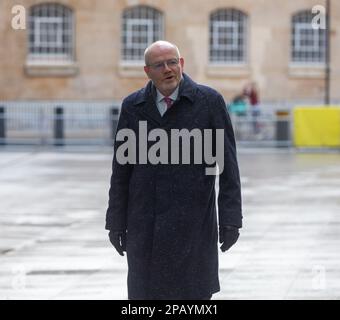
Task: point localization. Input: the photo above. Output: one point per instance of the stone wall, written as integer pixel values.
(98, 73)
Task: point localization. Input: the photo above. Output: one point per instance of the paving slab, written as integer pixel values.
(53, 244)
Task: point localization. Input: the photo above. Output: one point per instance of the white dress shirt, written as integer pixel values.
(161, 105)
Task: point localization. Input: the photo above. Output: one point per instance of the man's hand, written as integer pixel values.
(118, 240)
(228, 237)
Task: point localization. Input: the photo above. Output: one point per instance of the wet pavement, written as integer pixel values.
(53, 244)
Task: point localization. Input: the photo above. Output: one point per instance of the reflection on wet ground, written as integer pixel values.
(53, 244)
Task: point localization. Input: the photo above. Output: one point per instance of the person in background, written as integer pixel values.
(238, 105)
(251, 92)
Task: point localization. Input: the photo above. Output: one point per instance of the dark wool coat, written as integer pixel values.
(169, 210)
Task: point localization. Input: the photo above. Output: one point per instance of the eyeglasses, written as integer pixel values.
(171, 63)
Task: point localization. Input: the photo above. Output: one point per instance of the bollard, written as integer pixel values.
(58, 126)
(2, 126)
(282, 128)
(114, 121)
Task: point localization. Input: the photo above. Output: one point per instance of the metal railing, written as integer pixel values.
(94, 123)
(58, 123)
(272, 130)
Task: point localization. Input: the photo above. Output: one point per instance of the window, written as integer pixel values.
(51, 33)
(308, 44)
(228, 36)
(142, 25)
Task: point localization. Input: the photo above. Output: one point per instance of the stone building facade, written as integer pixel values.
(91, 50)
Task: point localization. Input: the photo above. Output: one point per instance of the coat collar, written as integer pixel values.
(149, 95)
(186, 89)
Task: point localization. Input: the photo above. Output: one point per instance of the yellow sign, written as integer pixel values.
(317, 126)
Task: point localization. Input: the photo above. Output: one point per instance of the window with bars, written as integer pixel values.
(308, 44)
(51, 33)
(228, 36)
(142, 25)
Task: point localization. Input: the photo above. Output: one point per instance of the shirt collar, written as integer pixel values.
(173, 96)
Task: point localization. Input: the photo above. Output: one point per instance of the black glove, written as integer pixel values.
(228, 236)
(118, 240)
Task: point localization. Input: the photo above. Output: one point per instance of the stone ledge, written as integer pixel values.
(58, 69)
(227, 71)
(306, 71)
(131, 70)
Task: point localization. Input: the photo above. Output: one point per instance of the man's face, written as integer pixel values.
(164, 68)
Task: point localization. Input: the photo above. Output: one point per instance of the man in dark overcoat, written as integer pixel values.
(163, 213)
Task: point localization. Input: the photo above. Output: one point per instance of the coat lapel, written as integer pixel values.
(150, 110)
(148, 106)
(147, 98)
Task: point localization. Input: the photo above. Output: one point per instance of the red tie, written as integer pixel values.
(168, 102)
